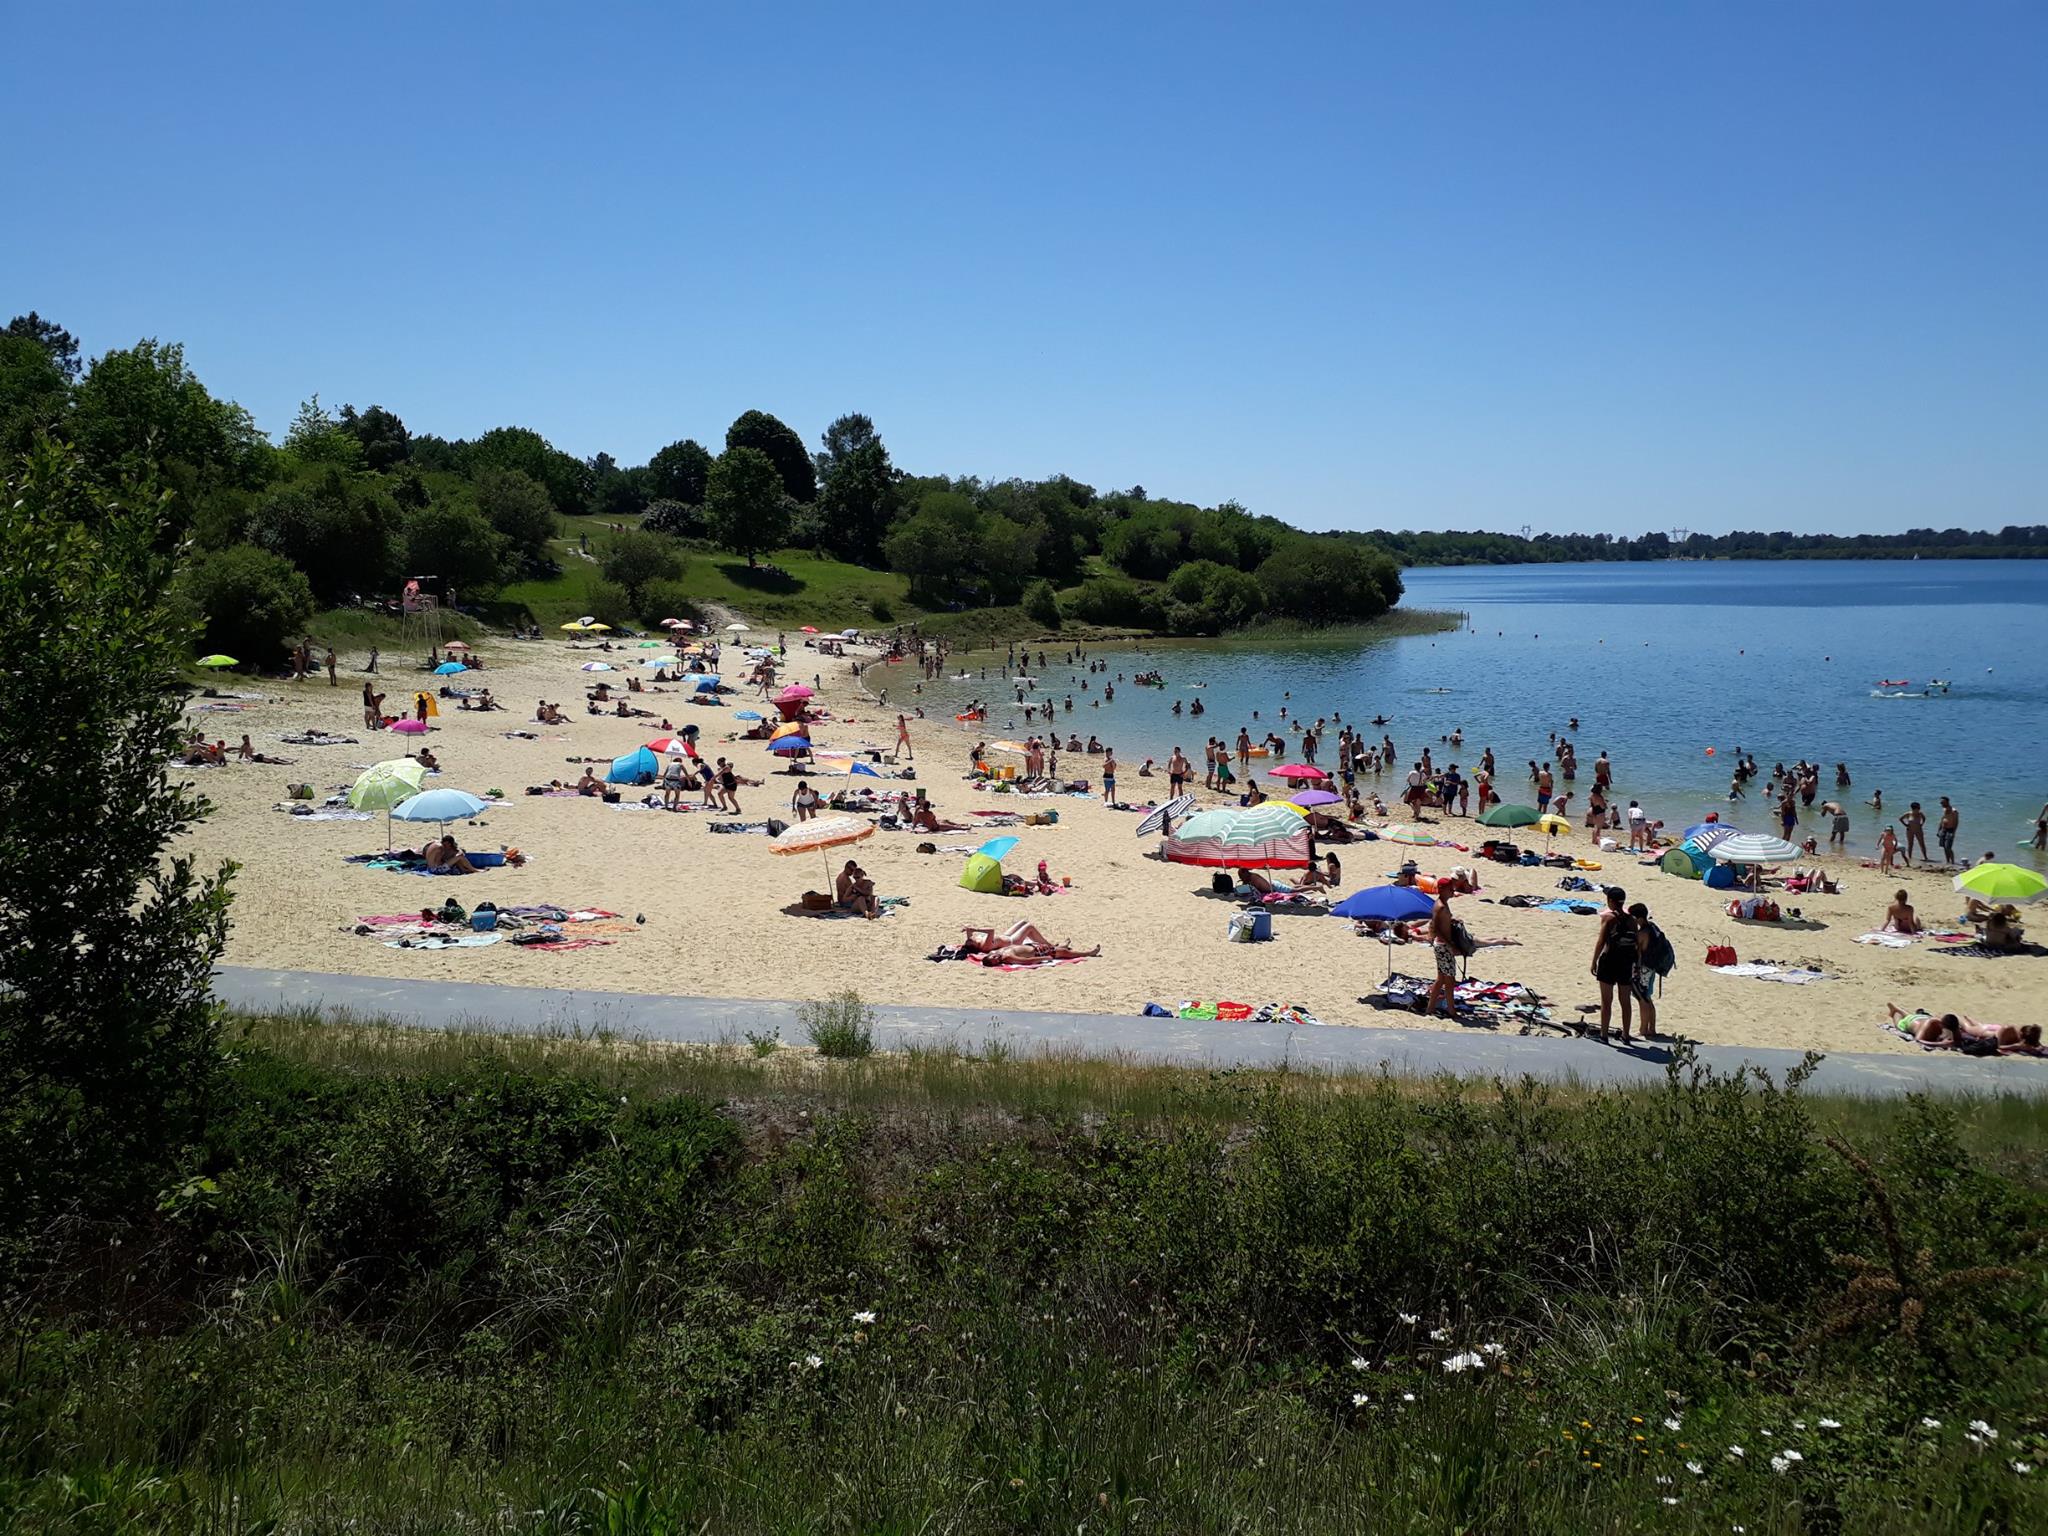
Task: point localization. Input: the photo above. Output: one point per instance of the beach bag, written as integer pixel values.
(1462, 942)
(1720, 954)
(1221, 883)
(817, 901)
(1249, 927)
(1658, 956)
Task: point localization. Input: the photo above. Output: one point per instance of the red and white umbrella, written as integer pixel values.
(666, 746)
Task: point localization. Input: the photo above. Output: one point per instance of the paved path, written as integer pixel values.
(1426, 1052)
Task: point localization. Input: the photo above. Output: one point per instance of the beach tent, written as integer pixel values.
(639, 766)
(1686, 863)
(982, 874)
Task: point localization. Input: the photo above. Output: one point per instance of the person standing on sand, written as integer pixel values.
(1177, 772)
(1915, 823)
(1887, 851)
(1945, 830)
(1446, 952)
(903, 737)
(1616, 951)
(1109, 777)
(1646, 979)
(332, 682)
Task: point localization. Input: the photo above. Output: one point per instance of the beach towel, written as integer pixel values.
(303, 812)
(1791, 975)
(988, 962)
(550, 942)
(444, 941)
(1583, 909)
(1888, 940)
(317, 739)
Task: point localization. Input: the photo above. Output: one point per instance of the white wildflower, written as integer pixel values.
(1830, 1423)
(863, 1318)
(1493, 1351)
(1669, 1500)
(1930, 1423)
(1465, 1362)
(1794, 1456)
(1671, 1424)
(1440, 1335)
(1695, 1469)
(1407, 1397)
(2023, 1467)
(1663, 1482)
(1359, 1399)
(1408, 1319)
(815, 1362)
(1780, 1464)
(1981, 1432)
(1799, 1423)
(1769, 1436)
(1358, 1363)
(1736, 1450)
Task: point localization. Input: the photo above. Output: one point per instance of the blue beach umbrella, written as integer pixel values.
(790, 744)
(707, 683)
(1386, 903)
(746, 714)
(449, 669)
(442, 805)
(997, 847)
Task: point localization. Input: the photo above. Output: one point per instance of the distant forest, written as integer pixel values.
(2008, 543)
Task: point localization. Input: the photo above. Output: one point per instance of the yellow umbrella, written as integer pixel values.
(823, 834)
(1552, 826)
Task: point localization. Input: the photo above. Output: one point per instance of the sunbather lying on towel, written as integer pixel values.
(1021, 944)
(1959, 1030)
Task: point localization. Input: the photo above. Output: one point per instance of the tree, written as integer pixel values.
(845, 436)
(108, 935)
(939, 546)
(566, 477)
(252, 604)
(33, 392)
(140, 410)
(1324, 581)
(317, 437)
(635, 558)
(385, 441)
(857, 501)
(673, 518)
(744, 502)
(1042, 604)
(614, 492)
(518, 508)
(678, 473)
(58, 344)
(341, 539)
(785, 450)
(455, 543)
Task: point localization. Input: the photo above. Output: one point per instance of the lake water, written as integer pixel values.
(1659, 662)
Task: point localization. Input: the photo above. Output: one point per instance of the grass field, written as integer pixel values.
(416, 1282)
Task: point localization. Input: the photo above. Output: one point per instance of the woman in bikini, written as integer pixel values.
(1022, 944)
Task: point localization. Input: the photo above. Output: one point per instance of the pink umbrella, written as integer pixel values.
(410, 727)
(671, 623)
(1300, 771)
(1309, 797)
(455, 645)
(794, 694)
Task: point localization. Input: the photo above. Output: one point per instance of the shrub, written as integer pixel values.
(663, 600)
(1042, 603)
(636, 558)
(840, 1026)
(882, 610)
(251, 602)
(606, 602)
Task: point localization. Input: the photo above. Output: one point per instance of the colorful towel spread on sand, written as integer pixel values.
(445, 941)
(1581, 908)
(303, 812)
(1229, 1012)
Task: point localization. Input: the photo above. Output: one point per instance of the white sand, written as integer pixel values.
(715, 924)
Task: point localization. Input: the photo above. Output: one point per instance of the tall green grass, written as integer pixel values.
(430, 1282)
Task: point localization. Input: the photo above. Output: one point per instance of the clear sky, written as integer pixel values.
(1620, 266)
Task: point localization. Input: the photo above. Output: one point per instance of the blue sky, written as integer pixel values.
(1572, 266)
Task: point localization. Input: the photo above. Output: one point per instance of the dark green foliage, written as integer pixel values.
(1218, 597)
(142, 409)
(318, 437)
(857, 496)
(107, 945)
(566, 478)
(840, 1026)
(1115, 600)
(385, 442)
(1327, 581)
(56, 343)
(454, 542)
(663, 599)
(635, 558)
(250, 604)
(343, 537)
(679, 520)
(679, 472)
(615, 492)
(33, 392)
(785, 450)
(1042, 603)
(517, 506)
(745, 505)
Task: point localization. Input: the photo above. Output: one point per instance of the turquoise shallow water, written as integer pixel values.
(1658, 662)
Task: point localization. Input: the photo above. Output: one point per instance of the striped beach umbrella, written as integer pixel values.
(1263, 837)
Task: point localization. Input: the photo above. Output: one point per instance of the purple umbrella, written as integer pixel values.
(1314, 797)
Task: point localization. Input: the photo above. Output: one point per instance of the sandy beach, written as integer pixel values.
(715, 905)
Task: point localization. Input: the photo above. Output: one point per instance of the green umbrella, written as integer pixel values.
(385, 785)
(2002, 882)
(1505, 815)
(216, 661)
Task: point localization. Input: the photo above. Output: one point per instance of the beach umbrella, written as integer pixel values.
(735, 629)
(597, 666)
(1299, 771)
(706, 684)
(1414, 837)
(824, 834)
(657, 662)
(664, 746)
(1505, 815)
(1707, 834)
(216, 661)
(671, 623)
(1163, 815)
(1754, 848)
(449, 669)
(1713, 823)
(790, 744)
(1017, 747)
(576, 627)
(1552, 825)
(409, 726)
(746, 714)
(1263, 837)
(998, 847)
(796, 691)
(592, 624)
(456, 645)
(383, 785)
(1310, 797)
(684, 624)
(2002, 882)
(442, 805)
(1386, 904)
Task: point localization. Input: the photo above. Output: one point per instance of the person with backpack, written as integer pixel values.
(1616, 949)
(1655, 959)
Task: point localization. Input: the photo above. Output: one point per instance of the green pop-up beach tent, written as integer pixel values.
(984, 871)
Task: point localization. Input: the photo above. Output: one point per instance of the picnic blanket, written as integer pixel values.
(1483, 1002)
(445, 941)
(1229, 1012)
(1765, 970)
(300, 810)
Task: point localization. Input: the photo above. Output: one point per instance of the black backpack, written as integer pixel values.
(1658, 955)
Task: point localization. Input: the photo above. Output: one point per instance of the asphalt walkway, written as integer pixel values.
(1470, 1052)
